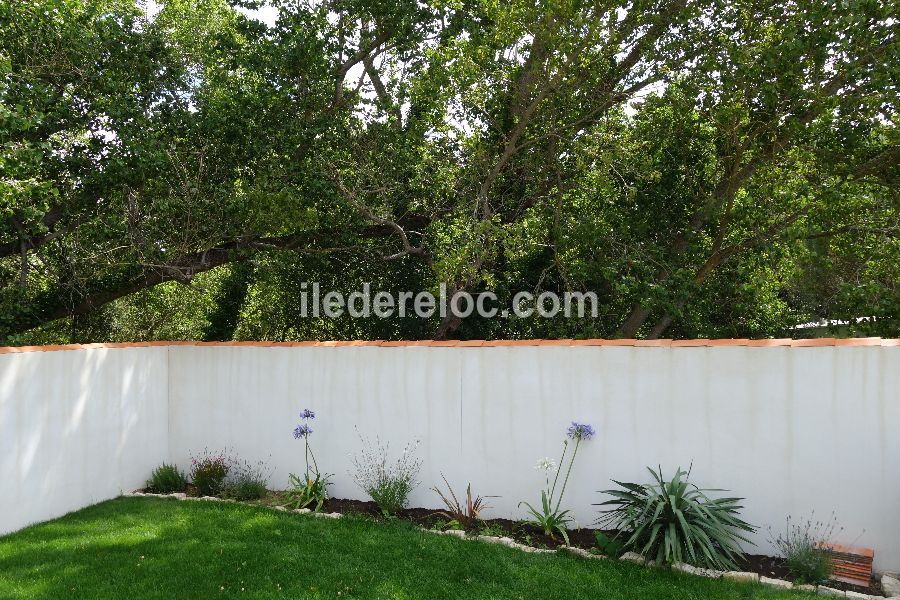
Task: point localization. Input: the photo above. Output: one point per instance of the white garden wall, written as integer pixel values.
(792, 429)
(77, 428)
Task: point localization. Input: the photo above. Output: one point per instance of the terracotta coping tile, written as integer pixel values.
(689, 343)
(652, 343)
(445, 343)
(813, 342)
(587, 343)
(619, 342)
(869, 341)
(472, 343)
(771, 342)
(523, 343)
(728, 342)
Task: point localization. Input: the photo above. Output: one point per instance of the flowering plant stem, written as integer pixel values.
(309, 454)
(568, 471)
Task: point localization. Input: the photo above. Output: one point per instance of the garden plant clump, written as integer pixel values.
(676, 521)
(166, 479)
(311, 490)
(245, 480)
(387, 483)
(550, 517)
(208, 471)
(803, 547)
(464, 516)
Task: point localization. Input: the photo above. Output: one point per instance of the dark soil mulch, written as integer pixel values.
(531, 535)
(771, 566)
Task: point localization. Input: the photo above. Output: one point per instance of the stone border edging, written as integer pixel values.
(511, 543)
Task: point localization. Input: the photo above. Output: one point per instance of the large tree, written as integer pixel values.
(708, 168)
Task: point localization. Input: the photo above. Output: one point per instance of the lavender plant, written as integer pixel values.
(312, 489)
(550, 518)
(803, 547)
(389, 485)
(245, 480)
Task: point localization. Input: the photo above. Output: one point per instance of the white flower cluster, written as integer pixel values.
(545, 464)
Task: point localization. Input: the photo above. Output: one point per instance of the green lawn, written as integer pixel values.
(160, 548)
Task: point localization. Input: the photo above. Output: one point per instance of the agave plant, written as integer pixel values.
(675, 521)
(468, 515)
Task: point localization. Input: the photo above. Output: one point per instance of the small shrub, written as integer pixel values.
(311, 490)
(550, 518)
(208, 472)
(675, 521)
(245, 481)
(442, 525)
(802, 545)
(166, 479)
(389, 485)
(492, 529)
(609, 546)
(465, 516)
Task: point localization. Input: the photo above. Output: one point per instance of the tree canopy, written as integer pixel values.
(710, 168)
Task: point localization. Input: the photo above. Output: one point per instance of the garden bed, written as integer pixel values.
(530, 535)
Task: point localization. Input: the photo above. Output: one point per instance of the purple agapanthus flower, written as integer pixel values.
(580, 431)
(301, 431)
(307, 414)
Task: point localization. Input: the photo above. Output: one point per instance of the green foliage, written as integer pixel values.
(388, 483)
(208, 472)
(465, 516)
(491, 529)
(166, 479)
(675, 521)
(245, 481)
(609, 545)
(802, 545)
(708, 169)
(550, 518)
(309, 492)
